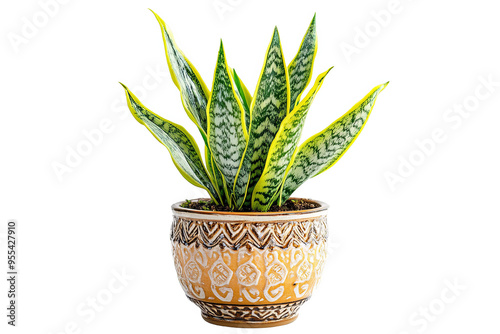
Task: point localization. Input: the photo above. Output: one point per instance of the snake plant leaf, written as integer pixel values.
(269, 107)
(301, 68)
(324, 149)
(244, 96)
(282, 150)
(226, 133)
(194, 92)
(215, 176)
(182, 147)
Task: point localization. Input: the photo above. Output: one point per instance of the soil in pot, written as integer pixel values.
(290, 205)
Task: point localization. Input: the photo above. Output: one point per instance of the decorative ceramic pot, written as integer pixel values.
(249, 269)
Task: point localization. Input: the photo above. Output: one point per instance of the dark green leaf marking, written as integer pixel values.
(182, 147)
(301, 67)
(226, 133)
(282, 150)
(269, 107)
(324, 149)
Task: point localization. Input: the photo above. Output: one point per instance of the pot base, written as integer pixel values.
(249, 324)
(249, 316)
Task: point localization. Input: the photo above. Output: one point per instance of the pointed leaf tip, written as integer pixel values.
(158, 18)
(186, 78)
(276, 35)
(384, 85)
(152, 11)
(221, 48)
(324, 149)
(300, 69)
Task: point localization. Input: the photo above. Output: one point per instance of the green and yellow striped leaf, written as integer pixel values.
(182, 147)
(215, 176)
(194, 92)
(226, 133)
(269, 107)
(301, 68)
(244, 96)
(282, 150)
(324, 149)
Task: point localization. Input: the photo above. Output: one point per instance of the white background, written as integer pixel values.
(393, 248)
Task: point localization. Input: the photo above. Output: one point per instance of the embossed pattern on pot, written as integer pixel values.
(249, 265)
(284, 274)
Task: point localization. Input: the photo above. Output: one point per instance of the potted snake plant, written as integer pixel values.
(250, 255)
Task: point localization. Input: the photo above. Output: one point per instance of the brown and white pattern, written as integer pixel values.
(257, 268)
(234, 235)
(250, 313)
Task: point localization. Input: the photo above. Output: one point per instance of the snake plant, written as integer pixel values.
(252, 158)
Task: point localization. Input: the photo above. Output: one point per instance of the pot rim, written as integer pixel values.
(176, 207)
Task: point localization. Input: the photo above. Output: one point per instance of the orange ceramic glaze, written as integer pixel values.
(249, 269)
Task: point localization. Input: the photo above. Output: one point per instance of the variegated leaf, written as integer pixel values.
(194, 92)
(215, 176)
(282, 150)
(301, 68)
(324, 149)
(182, 147)
(244, 96)
(226, 131)
(269, 107)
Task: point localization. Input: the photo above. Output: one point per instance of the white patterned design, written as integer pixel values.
(248, 274)
(275, 275)
(220, 274)
(193, 272)
(304, 271)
